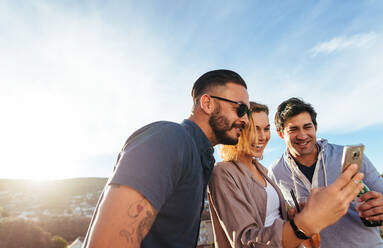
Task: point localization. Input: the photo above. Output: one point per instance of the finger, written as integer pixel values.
(370, 195)
(372, 212)
(364, 207)
(291, 213)
(371, 204)
(353, 188)
(345, 177)
(354, 183)
(378, 217)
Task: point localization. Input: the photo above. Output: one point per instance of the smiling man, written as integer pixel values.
(155, 196)
(308, 163)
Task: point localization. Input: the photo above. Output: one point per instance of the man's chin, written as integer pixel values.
(231, 142)
(228, 140)
(303, 152)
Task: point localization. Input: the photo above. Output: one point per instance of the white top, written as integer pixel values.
(272, 205)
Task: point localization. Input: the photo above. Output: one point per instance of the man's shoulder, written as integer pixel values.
(277, 163)
(158, 133)
(279, 169)
(161, 128)
(165, 126)
(324, 144)
(331, 148)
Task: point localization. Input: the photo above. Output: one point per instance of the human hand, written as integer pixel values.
(293, 210)
(302, 204)
(372, 206)
(326, 206)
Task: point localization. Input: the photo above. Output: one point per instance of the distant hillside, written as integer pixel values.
(54, 197)
(73, 186)
(42, 209)
(64, 187)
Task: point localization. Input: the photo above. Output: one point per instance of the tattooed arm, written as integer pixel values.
(123, 220)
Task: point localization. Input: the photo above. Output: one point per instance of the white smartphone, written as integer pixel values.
(352, 155)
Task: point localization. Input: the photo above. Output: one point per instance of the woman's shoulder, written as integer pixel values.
(228, 169)
(224, 164)
(224, 168)
(224, 173)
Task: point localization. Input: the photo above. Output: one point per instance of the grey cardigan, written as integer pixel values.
(238, 207)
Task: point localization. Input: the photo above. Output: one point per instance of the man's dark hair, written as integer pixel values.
(212, 79)
(292, 107)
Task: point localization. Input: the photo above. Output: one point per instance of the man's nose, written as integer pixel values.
(302, 134)
(245, 119)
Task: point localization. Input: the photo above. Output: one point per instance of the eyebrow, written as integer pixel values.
(292, 127)
(268, 126)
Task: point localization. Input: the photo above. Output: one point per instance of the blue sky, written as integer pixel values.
(78, 77)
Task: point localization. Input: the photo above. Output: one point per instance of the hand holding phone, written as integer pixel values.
(354, 155)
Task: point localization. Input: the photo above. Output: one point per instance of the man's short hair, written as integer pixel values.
(212, 79)
(292, 107)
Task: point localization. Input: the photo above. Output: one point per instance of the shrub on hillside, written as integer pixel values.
(68, 227)
(16, 233)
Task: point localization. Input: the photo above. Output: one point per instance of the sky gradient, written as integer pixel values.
(78, 77)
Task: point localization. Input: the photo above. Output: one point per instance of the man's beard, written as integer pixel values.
(220, 126)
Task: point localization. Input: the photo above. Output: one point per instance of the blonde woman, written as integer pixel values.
(248, 209)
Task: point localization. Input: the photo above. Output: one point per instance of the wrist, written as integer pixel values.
(299, 233)
(306, 224)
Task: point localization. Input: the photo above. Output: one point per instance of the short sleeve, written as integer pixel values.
(151, 162)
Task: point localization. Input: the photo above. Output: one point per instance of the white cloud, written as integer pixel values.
(354, 101)
(345, 89)
(344, 42)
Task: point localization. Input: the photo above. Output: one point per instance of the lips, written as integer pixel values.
(258, 147)
(302, 143)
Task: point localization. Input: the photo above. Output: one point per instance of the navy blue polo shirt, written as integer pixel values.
(170, 164)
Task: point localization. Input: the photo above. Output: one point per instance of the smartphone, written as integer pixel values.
(352, 155)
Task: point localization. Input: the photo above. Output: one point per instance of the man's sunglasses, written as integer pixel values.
(242, 108)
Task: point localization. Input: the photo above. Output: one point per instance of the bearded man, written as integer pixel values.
(155, 196)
